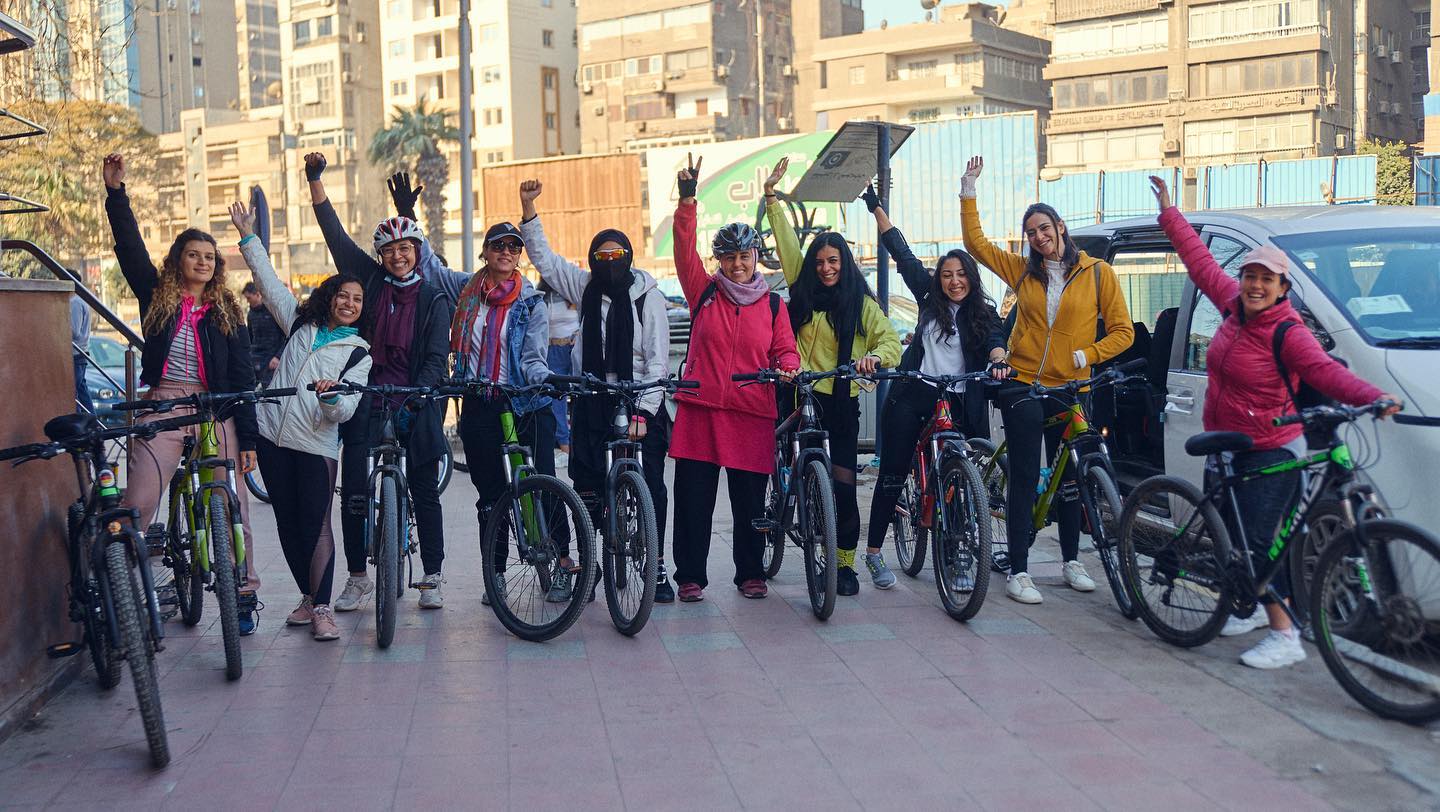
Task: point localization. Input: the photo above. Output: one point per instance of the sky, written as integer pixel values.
(900, 11)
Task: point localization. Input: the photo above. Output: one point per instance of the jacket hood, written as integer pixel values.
(428, 263)
(642, 283)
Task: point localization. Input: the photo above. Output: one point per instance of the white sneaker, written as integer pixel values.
(1077, 578)
(1236, 626)
(354, 593)
(1277, 650)
(1020, 588)
(430, 597)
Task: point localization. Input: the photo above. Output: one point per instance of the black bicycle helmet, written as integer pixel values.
(734, 237)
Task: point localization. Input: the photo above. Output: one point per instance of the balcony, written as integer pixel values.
(1072, 10)
(1234, 37)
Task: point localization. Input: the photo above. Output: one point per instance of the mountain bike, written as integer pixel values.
(1375, 594)
(630, 555)
(536, 523)
(803, 512)
(948, 501)
(119, 614)
(1083, 447)
(203, 543)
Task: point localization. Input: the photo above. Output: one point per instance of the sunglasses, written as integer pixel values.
(613, 254)
(506, 245)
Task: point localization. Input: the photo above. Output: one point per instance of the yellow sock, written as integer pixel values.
(846, 558)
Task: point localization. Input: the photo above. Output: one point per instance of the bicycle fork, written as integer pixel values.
(522, 507)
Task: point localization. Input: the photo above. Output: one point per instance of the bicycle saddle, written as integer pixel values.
(1217, 442)
(66, 426)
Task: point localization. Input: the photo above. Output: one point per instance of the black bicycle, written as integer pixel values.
(800, 497)
(630, 556)
(118, 612)
(1374, 591)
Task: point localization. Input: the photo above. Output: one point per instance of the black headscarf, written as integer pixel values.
(613, 352)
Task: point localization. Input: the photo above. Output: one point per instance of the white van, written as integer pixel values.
(1366, 279)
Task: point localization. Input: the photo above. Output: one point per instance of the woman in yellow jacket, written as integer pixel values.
(1062, 295)
(836, 320)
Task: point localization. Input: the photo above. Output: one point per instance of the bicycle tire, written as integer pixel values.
(387, 561)
(1100, 501)
(963, 523)
(817, 526)
(189, 580)
(532, 617)
(910, 538)
(1199, 554)
(447, 470)
(1406, 645)
(135, 642)
(633, 559)
(255, 484)
(227, 592)
(1323, 524)
(772, 554)
(104, 656)
(995, 476)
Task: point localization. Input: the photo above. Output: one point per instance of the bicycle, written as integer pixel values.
(631, 551)
(119, 618)
(802, 452)
(203, 541)
(948, 500)
(1083, 447)
(1374, 589)
(539, 519)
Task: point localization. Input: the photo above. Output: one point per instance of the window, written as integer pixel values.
(549, 121)
(1141, 87)
(547, 3)
(195, 61)
(489, 33)
(494, 116)
(1011, 68)
(857, 75)
(547, 38)
(1252, 19)
(649, 105)
(1105, 146)
(642, 66)
(547, 80)
(1151, 279)
(397, 47)
(325, 26)
(702, 107)
(301, 31)
(924, 114)
(434, 46)
(490, 74)
(1249, 135)
(314, 90)
(1256, 75)
(395, 8)
(1090, 39)
(399, 88)
(915, 70)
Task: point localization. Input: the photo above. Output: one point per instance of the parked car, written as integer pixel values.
(106, 377)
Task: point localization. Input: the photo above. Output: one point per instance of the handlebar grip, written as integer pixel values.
(687, 384)
(283, 392)
(745, 376)
(1133, 366)
(21, 451)
(574, 380)
(1289, 419)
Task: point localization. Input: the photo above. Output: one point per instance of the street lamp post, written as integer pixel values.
(467, 156)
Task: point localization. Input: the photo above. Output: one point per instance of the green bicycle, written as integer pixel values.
(203, 541)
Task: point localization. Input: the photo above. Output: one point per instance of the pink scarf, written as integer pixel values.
(191, 315)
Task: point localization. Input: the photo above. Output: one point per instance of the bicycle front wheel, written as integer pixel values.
(631, 559)
(528, 591)
(255, 483)
(1324, 524)
(995, 476)
(1172, 548)
(817, 534)
(387, 561)
(908, 527)
(227, 593)
(772, 555)
(136, 644)
(963, 540)
(1376, 611)
(1100, 500)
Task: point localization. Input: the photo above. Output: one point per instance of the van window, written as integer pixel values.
(1152, 280)
(1205, 318)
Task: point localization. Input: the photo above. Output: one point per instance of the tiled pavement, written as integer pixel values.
(722, 704)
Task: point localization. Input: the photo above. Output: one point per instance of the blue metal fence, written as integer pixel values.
(1308, 182)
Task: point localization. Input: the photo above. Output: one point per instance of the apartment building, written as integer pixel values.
(1192, 82)
(817, 20)
(259, 25)
(961, 63)
(657, 73)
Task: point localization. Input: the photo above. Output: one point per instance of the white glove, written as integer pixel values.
(1079, 358)
(967, 187)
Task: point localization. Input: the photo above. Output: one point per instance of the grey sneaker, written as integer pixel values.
(500, 587)
(430, 597)
(880, 575)
(561, 587)
(354, 593)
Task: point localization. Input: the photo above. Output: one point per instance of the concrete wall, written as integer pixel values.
(38, 384)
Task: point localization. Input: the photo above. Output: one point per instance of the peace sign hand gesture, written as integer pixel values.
(688, 179)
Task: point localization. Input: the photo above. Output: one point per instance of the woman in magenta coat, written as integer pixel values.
(737, 326)
(1245, 393)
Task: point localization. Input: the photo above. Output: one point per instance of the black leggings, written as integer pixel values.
(587, 462)
(482, 437)
(424, 482)
(1261, 501)
(1024, 425)
(302, 491)
(696, 484)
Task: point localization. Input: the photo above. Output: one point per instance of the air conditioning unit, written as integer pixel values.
(360, 36)
(722, 71)
(1380, 49)
(785, 123)
(1172, 145)
(1395, 57)
(641, 126)
(787, 70)
(587, 88)
(1342, 140)
(1332, 97)
(599, 110)
(657, 85)
(1189, 173)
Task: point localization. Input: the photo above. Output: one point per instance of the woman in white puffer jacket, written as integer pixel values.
(299, 446)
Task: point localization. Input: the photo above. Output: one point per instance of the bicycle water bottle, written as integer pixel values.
(1044, 481)
(109, 494)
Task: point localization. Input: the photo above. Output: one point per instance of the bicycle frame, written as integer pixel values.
(200, 483)
(387, 459)
(515, 460)
(621, 454)
(798, 439)
(1077, 429)
(937, 441)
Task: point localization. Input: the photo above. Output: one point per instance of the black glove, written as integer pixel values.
(403, 195)
(687, 187)
(872, 200)
(313, 171)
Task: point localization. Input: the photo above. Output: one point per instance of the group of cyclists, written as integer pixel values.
(396, 314)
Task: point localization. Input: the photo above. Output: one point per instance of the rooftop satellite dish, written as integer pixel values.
(929, 4)
(884, 24)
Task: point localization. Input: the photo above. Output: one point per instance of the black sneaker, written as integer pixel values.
(664, 593)
(846, 582)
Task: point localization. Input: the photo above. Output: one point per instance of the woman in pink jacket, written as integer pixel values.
(737, 326)
(1245, 393)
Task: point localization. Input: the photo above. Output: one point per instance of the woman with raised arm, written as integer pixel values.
(736, 326)
(1247, 388)
(299, 446)
(958, 332)
(195, 341)
(837, 321)
(1063, 296)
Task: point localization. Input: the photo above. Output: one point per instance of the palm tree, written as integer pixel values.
(414, 136)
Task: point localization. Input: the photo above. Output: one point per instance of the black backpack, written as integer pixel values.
(1306, 396)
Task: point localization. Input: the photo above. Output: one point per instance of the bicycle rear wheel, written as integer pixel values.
(137, 647)
(910, 538)
(631, 559)
(255, 483)
(179, 555)
(995, 476)
(227, 593)
(962, 540)
(1377, 619)
(387, 561)
(1172, 549)
(1100, 501)
(553, 519)
(104, 655)
(817, 538)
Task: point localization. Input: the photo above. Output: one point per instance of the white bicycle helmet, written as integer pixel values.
(396, 229)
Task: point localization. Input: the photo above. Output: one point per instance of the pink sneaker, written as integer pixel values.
(323, 627)
(690, 593)
(754, 588)
(302, 614)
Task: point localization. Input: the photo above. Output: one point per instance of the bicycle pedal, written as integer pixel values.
(762, 525)
(62, 650)
(156, 537)
(166, 595)
(248, 602)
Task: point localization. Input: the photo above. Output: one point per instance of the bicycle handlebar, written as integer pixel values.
(597, 385)
(31, 451)
(846, 371)
(939, 380)
(1109, 376)
(204, 401)
(1335, 415)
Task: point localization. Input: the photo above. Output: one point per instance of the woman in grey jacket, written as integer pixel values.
(299, 445)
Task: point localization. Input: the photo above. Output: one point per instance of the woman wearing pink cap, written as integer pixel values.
(1246, 393)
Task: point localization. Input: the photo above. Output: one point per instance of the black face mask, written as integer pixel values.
(612, 272)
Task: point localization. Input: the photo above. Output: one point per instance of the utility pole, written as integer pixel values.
(760, 63)
(467, 156)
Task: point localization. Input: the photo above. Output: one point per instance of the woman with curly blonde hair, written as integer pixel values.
(195, 341)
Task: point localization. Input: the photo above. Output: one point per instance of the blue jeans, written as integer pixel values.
(558, 359)
(82, 387)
